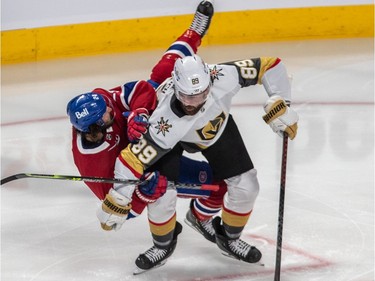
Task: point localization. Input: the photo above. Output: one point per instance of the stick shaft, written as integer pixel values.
(100, 180)
(281, 208)
(65, 177)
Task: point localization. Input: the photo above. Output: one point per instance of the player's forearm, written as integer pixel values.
(276, 81)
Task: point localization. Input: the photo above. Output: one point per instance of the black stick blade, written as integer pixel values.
(12, 178)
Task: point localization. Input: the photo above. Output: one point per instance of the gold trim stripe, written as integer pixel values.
(163, 229)
(234, 219)
(239, 27)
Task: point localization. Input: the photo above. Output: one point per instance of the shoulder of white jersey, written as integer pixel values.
(221, 72)
(166, 88)
(225, 79)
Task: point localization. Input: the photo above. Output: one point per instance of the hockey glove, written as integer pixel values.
(114, 209)
(280, 117)
(153, 187)
(137, 123)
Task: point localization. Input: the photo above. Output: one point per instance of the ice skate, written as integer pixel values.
(235, 248)
(202, 17)
(203, 227)
(156, 257)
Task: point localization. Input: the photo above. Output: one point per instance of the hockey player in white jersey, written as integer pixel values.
(193, 114)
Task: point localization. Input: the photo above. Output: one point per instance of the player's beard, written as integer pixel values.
(97, 133)
(191, 110)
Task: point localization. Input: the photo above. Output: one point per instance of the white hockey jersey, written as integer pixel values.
(169, 125)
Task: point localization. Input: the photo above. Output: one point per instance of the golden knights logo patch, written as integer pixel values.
(163, 126)
(209, 131)
(215, 73)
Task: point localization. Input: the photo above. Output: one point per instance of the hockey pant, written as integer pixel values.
(162, 219)
(162, 213)
(236, 198)
(239, 202)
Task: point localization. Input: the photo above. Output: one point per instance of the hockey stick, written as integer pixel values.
(209, 187)
(281, 208)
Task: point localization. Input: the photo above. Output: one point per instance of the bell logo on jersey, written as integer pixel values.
(209, 131)
(82, 114)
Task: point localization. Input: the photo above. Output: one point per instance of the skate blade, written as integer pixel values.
(197, 230)
(138, 270)
(259, 263)
(192, 226)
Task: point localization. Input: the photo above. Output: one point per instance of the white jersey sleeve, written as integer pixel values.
(169, 125)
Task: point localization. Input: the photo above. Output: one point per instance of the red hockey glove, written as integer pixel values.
(137, 123)
(155, 186)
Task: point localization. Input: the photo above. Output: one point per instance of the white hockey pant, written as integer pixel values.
(242, 192)
(164, 208)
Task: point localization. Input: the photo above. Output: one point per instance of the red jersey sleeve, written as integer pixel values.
(132, 95)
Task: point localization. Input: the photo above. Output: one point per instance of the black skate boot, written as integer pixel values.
(202, 17)
(203, 227)
(156, 257)
(234, 248)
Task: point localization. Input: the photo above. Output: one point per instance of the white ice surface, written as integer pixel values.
(49, 230)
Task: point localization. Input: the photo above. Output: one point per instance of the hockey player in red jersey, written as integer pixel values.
(193, 114)
(105, 121)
